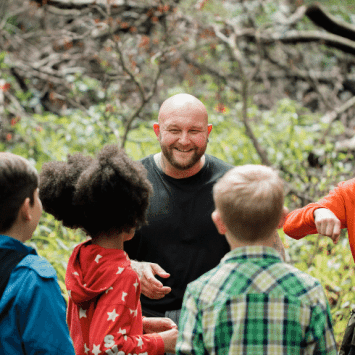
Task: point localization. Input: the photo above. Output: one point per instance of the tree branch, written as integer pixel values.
(140, 108)
(129, 72)
(330, 117)
(319, 16)
(293, 37)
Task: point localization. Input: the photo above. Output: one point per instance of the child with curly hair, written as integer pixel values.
(107, 197)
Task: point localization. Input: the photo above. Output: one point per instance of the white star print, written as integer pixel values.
(140, 342)
(82, 313)
(123, 332)
(109, 341)
(124, 294)
(98, 257)
(86, 349)
(75, 273)
(120, 269)
(96, 349)
(114, 351)
(111, 288)
(136, 285)
(69, 293)
(134, 311)
(112, 315)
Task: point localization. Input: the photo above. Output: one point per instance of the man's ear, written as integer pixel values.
(217, 220)
(209, 128)
(156, 129)
(25, 210)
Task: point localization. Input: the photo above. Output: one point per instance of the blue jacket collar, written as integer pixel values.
(7, 242)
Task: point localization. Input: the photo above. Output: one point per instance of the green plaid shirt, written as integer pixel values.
(253, 303)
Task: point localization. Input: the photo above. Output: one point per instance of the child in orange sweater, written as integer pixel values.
(107, 197)
(327, 216)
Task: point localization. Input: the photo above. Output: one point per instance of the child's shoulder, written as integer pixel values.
(205, 280)
(299, 284)
(37, 264)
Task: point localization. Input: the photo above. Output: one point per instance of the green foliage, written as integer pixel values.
(56, 243)
(333, 266)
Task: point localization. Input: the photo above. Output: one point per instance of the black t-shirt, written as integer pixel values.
(180, 236)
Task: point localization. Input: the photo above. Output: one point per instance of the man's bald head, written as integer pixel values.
(181, 103)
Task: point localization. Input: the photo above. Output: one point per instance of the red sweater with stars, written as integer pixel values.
(104, 311)
(340, 201)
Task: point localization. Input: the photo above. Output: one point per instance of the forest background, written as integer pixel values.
(277, 78)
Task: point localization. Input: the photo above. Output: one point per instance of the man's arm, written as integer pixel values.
(150, 286)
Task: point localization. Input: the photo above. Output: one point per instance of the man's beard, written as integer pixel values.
(169, 156)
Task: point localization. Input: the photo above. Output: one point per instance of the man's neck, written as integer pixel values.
(171, 171)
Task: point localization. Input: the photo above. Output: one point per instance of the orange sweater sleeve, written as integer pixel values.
(300, 222)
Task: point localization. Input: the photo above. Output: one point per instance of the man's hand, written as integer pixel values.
(150, 286)
(327, 223)
(157, 325)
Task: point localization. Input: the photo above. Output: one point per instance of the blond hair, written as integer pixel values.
(250, 200)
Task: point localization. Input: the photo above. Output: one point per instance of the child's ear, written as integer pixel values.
(129, 234)
(217, 220)
(25, 210)
(285, 212)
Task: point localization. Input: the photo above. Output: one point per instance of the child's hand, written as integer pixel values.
(150, 286)
(169, 338)
(327, 223)
(156, 324)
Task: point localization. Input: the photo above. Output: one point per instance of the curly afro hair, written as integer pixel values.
(109, 193)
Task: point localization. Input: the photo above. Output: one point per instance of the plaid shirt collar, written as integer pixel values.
(243, 254)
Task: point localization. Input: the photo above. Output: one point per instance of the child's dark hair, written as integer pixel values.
(18, 180)
(109, 193)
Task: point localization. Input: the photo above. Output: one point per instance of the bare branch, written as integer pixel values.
(318, 15)
(295, 17)
(227, 79)
(129, 72)
(331, 116)
(248, 130)
(140, 108)
(293, 37)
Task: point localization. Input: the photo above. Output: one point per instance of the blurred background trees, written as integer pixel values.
(277, 77)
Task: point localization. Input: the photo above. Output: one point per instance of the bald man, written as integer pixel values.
(180, 242)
